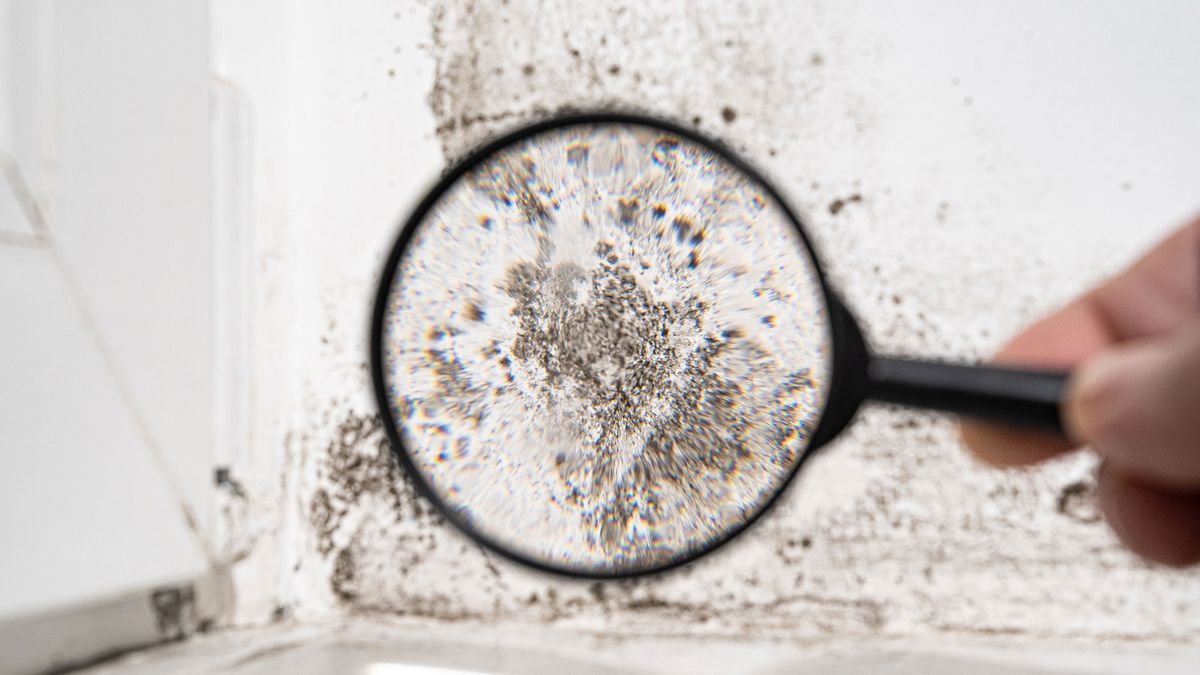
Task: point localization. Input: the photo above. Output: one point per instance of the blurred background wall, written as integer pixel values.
(198, 197)
(106, 301)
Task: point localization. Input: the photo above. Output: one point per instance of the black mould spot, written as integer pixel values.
(665, 149)
(527, 69)
(837, 205)
(174, 611)
(628, 209)
(341, 582)
(683, 228)
(1077, 501)
(728, 114)
(224, 480)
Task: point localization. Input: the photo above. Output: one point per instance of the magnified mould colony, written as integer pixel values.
(605, 348)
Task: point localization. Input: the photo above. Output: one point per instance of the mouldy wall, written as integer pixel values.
(893, 531)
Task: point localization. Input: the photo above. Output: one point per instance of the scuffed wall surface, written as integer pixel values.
(939, 209)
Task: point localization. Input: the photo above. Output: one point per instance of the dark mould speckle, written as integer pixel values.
(683, 228)
(341, 581)
(527, 69)
(836, 206)
(1077, 501)
(629, 208)
(358, 466)
(474, 312)
(223, 477)
(174, 611)
(728, 114)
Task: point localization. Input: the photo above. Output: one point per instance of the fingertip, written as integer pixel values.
(1157, 524)
(1099, 390)
(1004, 447)
(1134, 406)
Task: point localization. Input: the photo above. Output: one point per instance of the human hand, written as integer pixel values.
(1133, 346)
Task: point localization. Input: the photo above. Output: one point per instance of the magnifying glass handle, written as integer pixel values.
(1017, 397)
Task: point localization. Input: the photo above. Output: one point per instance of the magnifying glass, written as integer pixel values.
(603, 345)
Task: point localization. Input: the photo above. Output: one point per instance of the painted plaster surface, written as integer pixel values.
(960, 172)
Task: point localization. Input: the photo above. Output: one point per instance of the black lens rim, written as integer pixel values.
(392, 264)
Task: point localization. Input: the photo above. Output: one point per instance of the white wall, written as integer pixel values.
(1007, 155)
(106, 301)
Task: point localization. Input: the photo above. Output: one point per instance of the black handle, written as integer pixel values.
(1024, 398)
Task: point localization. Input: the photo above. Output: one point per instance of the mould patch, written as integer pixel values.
(174, 611)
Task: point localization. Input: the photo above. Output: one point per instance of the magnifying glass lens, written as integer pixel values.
(605, 347)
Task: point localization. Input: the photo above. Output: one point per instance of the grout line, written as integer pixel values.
(20, 191)
(45, 237)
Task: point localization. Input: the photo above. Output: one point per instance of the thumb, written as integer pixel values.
(1138, 405)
